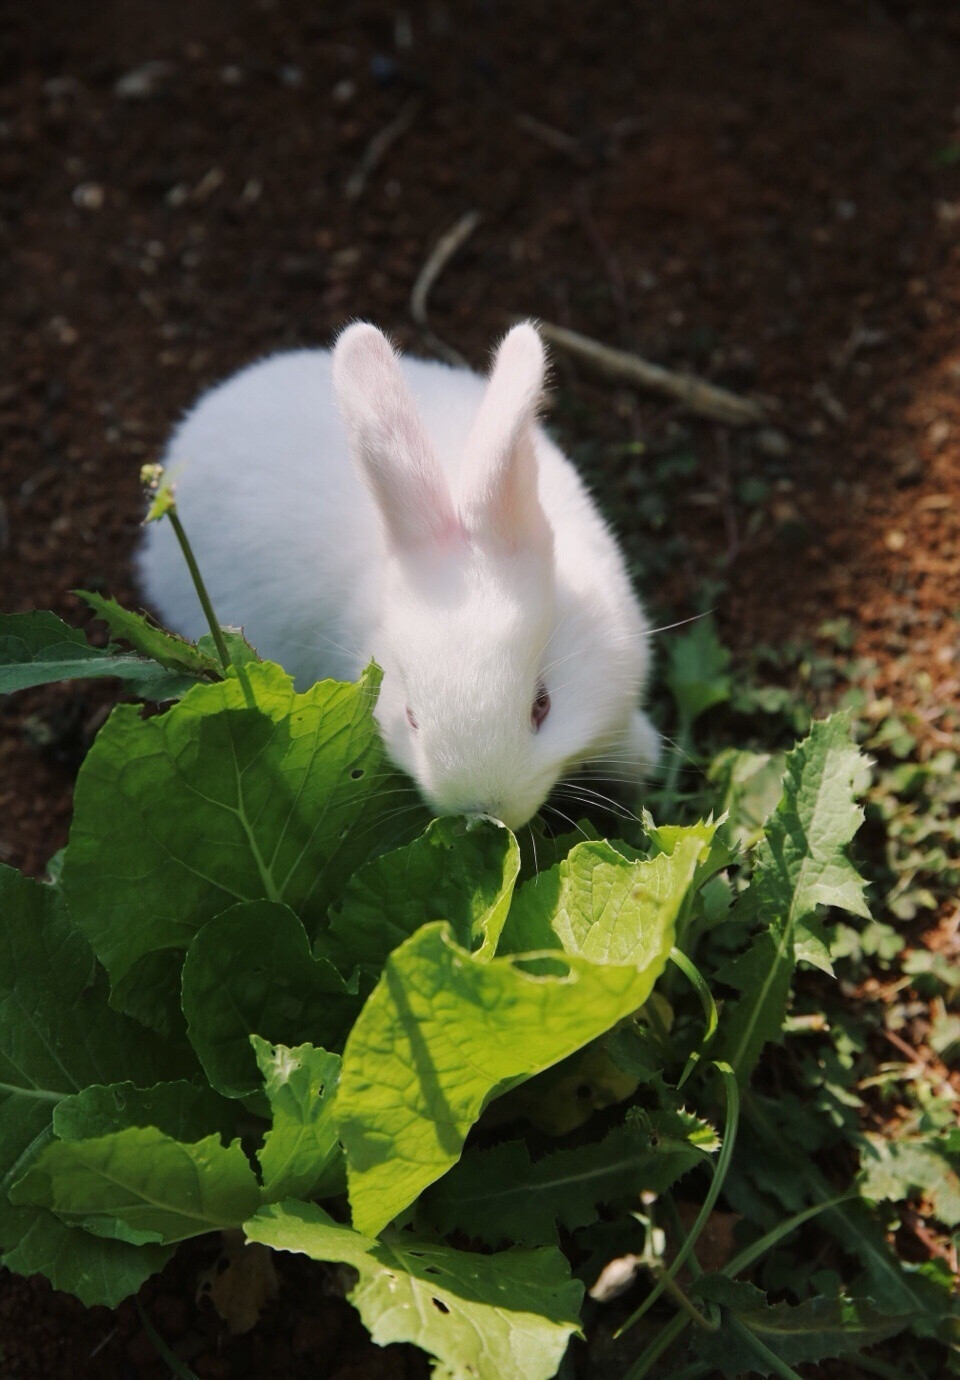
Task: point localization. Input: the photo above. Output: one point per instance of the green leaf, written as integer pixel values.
(57, 1036)
(442, 1033)
(301, 1154)
(459, 871)
(814, 1330)
(498, 1195)
(715, 852)
(149, 639)
(801, 866)
(891, 1170)
(602, 906)
(182, 1110)
(250, 969)
(483, 1317)
(241, 652)
(142, 1186)
(748, 786)
(38, 648)
(243, 790)
(894, 1286)
(697, 671)
(96, 1271)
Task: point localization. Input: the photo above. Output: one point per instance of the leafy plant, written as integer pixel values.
(473, 1077)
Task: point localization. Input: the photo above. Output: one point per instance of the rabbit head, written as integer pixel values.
(469, 599)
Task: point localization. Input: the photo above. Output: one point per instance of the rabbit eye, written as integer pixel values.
(410, 719)
(540, 707)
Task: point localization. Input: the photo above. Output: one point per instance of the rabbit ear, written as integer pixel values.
(388, 440)
(498, 498)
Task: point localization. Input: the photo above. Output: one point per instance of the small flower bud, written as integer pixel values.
(150, 476)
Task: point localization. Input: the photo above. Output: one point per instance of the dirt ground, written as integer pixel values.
(766, 194)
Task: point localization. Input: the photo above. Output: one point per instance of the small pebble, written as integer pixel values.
(939, 432)
(60, 88)
(88, 196)
(141, 82)
(773, 443)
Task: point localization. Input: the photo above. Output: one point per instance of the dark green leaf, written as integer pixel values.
(498, 1195)
(301, 1154)
(141, 1186)
(149, 639)
(697, 672)
(814, 1330)
(38, 648)
(250, 969)
(802, 865)
(182, 1110)
(57, 1036)
(459, 871)
(243, 790)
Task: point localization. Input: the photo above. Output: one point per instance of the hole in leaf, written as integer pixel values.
(441, 1306)
(357, 773)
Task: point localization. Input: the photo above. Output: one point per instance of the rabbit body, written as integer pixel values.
(354, 504)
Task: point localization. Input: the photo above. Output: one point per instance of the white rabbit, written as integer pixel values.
(428, 523)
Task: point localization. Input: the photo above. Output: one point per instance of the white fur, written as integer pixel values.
(359, 504)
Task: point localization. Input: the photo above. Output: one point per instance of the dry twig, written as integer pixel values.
(441, 254)
(379, 146)
(555, 139)
(704, 399)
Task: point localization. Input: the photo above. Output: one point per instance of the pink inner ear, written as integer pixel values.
(389, 443)
(451, 532)
(499, 497)
(502, 502)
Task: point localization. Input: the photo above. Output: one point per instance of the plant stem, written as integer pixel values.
(732, 1091)
(173, 1361)
(753, 1253)
(200, 587)
(696, 979)
(651, 1355)
(692, 1311)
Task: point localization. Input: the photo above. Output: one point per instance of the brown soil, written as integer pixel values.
(769, 194)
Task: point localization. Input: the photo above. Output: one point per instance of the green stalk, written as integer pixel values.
(751, 1254)
(176, 1366)
(696, 979)
(732, 1093)
(688, 1307)
(652, 1353)
(200, 587)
